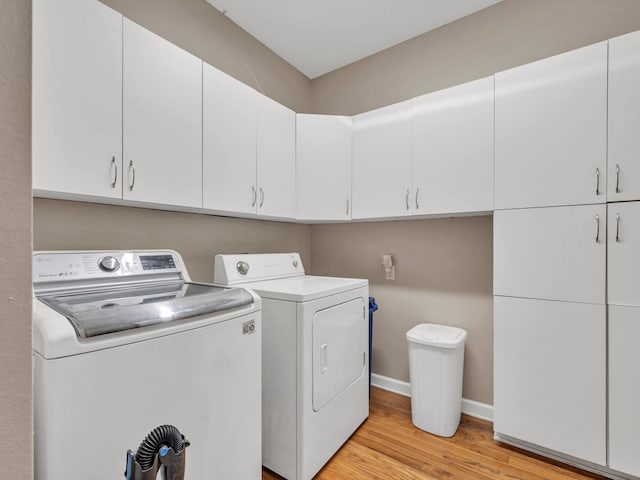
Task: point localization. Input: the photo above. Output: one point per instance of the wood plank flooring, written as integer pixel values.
(388, 447)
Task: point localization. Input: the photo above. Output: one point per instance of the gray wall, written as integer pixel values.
(444, 270)
(15, 239)
(510, 33)
(200, 29)
(443, 275)
(62, 225)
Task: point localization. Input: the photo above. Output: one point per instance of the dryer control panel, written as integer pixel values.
(255, 267)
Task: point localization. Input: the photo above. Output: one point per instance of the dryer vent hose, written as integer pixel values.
(163, 435)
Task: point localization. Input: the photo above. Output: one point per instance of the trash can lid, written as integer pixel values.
(437, 335)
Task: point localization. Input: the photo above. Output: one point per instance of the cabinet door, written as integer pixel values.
(624, 118)
(623, 274)
(229, 143)
(453, 149)
(382, 162)
(162, 132)
(551, 253)
(551, 131)
(550, 375)
(77, 98)
(323, 167)
(624, 389)
(276, 143)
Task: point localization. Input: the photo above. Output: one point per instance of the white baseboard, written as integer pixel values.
(469, 407)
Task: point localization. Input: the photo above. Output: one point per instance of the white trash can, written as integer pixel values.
(436, 357)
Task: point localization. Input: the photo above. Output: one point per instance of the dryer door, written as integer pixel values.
(339, 344)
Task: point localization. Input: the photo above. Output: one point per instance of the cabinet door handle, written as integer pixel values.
(597, 181)
(597, 228)
(407, 199)
(114, 167)
(261, 197)
(347, 206)
(323, 358)
(417, 204)
(254, 195)
(617, 178)
(618, 227)
(132, 174)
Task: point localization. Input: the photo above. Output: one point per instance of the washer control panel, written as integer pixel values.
(66, 266)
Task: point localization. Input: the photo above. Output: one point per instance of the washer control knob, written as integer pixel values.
(295, 264)
(109, 264)
(242, 267)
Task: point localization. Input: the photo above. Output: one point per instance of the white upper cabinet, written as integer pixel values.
(453, 149)
(382, 154)
(323, 167)
(556, 253)
(77, 98)
(623, 262)
(276, 147)
(624, 118)
(551, 131)
(229, 143)
(162, 131)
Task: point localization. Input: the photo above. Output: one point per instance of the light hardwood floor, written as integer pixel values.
(388, 447)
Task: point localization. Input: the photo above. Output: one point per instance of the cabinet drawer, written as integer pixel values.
(551, 253)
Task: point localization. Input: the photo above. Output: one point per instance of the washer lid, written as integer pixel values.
(305, 288)
(437, 335)
(108, 310)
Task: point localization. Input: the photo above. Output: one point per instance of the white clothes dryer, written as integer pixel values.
(315, 359)
(124, 342)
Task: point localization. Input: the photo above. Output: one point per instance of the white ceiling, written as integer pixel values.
(318, 36)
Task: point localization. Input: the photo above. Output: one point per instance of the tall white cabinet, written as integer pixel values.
(162, 120)
(77, 98)
(550, 251)
(323, 167)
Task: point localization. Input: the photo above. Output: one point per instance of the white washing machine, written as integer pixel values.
(315, 381)
(124, 342)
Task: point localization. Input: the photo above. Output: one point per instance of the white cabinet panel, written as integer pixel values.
(624, 389)
(551, 131)
(551, 253)
(624, 118)
(276, 145)
(382, 162)
(229, 143)
(550, 368)
(77, 98)
(323, 167)
(623, 273)
(162, 131)
(453, 149)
